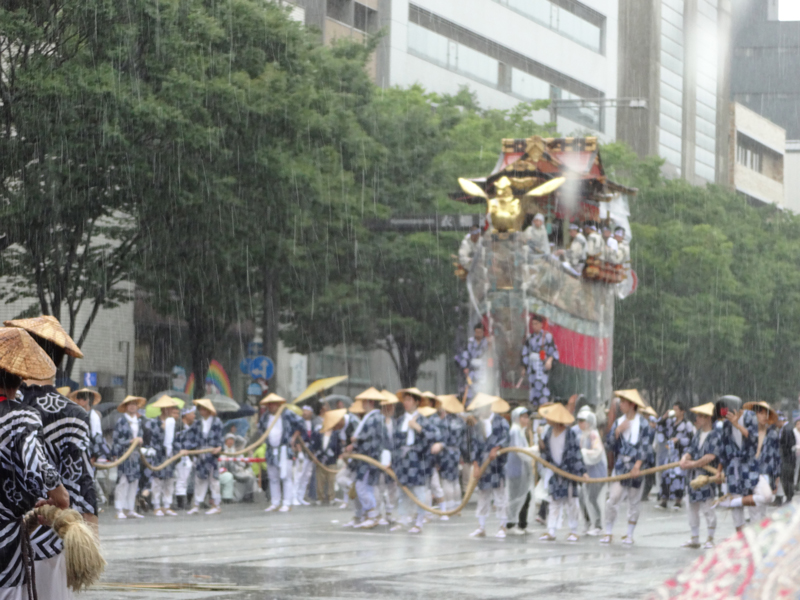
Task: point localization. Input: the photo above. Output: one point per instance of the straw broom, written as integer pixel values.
(85, 563)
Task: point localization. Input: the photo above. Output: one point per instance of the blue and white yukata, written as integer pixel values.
(535, 352)
(162, 442)
(738, 455)
(628, 448)
(701, 500)
(67, 444)
(304, 473)
(280, 454)
(369, 439)
(27, 476)
(128, 473)
(473, 359)
(327, 447)
(489, 433)
(768, 459)
(410, 457)
(564, 451)
(673, 481)
(205, 433)
(452, 431)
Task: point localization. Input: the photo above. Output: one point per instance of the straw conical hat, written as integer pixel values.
(20, 355)
(451, 404)
(649, 410)
(357, 408)
(706, 409)
(557, 413)
(631, 396)
(480, 400)
(48, 328)
(500, 406)
(332, 418)
(165, 402)
(427, 411)
(773, 416)
(207, 404)
(64, 390)
(413, 391)
(140, 402)
(371, 394)
(389, 397)
(96, 397)
(272, 398)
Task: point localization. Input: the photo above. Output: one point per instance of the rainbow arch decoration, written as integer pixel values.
(217, 377)
(189, 389)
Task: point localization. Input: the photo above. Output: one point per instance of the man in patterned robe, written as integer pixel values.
(472, 359)
(162, 442)
(702, 451)
(489, 434)
(65, 430)
(280, 450)
(561, 446)
(205, 432)
(129, 427)
(413, 437)
(368, 440)
(678, 433)
(627, 440)
(539, 352)
(26, 475)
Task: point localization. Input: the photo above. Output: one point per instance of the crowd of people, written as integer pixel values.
(735, 456)
(596, 251)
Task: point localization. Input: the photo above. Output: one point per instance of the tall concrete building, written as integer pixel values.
(766, 63)
(504, 50)
(674, 53)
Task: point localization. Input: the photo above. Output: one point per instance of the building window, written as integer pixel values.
(571, 19)
(591, 116)
(452, 55)
(356, 364)
(671, 82)
(364, 18)
(759, 158)
(339, 10)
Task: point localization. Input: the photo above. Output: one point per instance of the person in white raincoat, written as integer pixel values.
(519, 473)
(594, 457)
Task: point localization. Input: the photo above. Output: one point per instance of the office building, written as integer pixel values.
(503, 50)
(758, 148)
(674, 54)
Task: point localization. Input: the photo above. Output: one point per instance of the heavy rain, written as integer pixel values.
(399, 298)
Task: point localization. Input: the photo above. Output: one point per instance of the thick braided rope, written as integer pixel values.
(182, 453)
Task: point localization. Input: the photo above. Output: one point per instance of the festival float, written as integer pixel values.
(507, 282)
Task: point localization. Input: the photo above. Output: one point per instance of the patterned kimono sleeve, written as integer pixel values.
(750, 444)
(39, 476)
(122, 438)
(503, 437)
(550, 349)
(611, 441)
(545, 450)
(526, 352)
(713, 445)
(476, 450)
(192, 437)
(771, 456)
(296, 422)
(462, 359)
(428, 436)
(574, 462)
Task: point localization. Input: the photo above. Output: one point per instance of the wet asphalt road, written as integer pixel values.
(306, 554)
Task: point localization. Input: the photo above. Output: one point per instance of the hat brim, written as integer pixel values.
(272, 399)
(480, 401)
(140, 402)
(557, 413)
(773, 415)
(704, 409)
(96, 397)
(205, 403)
(371, 394)
(632, 396)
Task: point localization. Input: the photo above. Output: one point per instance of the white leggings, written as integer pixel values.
(407, 506)
(452, 493)
(125, 493)
(705, 508)
(201, 487)
(570, 506)
(275, 481)
(436, 485)
(485, 499)
(303, 478)
(387, 494)
(618, 493)
(182, 473)
(162, 490)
